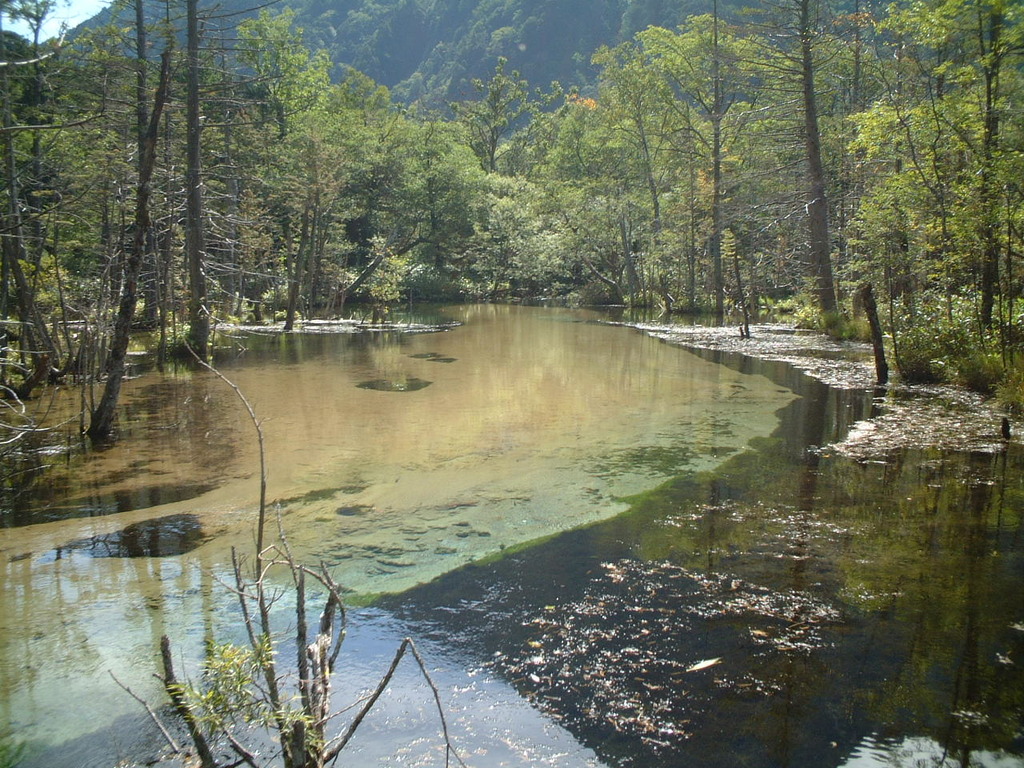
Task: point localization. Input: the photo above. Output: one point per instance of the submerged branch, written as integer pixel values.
(153, 716)
(407, 645)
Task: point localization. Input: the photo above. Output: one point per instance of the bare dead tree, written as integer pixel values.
(102, 421)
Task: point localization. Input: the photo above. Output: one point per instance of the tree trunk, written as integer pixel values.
(298, 272)
(174, 692)
(867, 297)
(817, 201)
(149, 273)
(717, 223)
(988, 224)
(198, 312)
(740, 295)
(102, 421)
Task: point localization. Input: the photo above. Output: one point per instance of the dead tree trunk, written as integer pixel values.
(867, 298)
(198, 312)
(102, 421)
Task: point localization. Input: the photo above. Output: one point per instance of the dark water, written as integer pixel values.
(610, 578)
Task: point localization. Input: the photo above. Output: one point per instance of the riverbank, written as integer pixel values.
(941, 417)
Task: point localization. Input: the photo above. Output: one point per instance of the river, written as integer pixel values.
(612, 551)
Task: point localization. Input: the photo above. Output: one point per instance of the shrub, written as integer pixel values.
(919, 356)
(978, 370)
(1010, 389)
(836, 325)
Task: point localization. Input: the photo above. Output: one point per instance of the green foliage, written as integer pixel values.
(289, 75)
(979, 370)
(1010, 388)
(425, 282)
(385, 287)
(919, 356)
(228, 691)
(837, 325)
(945, 345)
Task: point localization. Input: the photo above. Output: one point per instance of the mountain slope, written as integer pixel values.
(430, 50)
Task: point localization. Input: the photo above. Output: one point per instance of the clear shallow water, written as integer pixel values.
(856, 613)
(533, 422)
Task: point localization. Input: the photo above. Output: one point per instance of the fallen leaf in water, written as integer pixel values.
(704, 664)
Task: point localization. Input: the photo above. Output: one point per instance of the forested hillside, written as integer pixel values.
(178, 168)
(431, 50)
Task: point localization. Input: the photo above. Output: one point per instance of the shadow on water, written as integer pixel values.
(160, 537)
(108, 503)
(791, 608)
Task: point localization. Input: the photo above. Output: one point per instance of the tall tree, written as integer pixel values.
(820, 245)
(503, 102)
(708, 66)
(797, 30)
(195, 248)
(633, 96)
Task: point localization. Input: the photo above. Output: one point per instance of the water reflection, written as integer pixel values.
(535, 422)
(856, 613)
(405, 384)
(780, 606)
(163, 537)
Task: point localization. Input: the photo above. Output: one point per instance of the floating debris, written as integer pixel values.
(926, 417)
(622, 658)
(911, 416)
(704, 664)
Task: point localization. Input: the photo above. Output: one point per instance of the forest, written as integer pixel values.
(162, 178)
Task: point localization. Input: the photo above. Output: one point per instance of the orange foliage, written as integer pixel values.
(585, 102)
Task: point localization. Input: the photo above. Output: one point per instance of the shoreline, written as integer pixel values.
(941, 417)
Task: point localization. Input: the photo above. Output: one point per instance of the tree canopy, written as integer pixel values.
(778, 159)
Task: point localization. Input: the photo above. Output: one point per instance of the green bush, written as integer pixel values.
(943, 345)
(978, 370)
(836, 325)
(1010, 389)
(919, 357)
(843, 328)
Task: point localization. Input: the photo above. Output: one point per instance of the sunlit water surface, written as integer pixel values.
(395, 457)
(702, 582)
